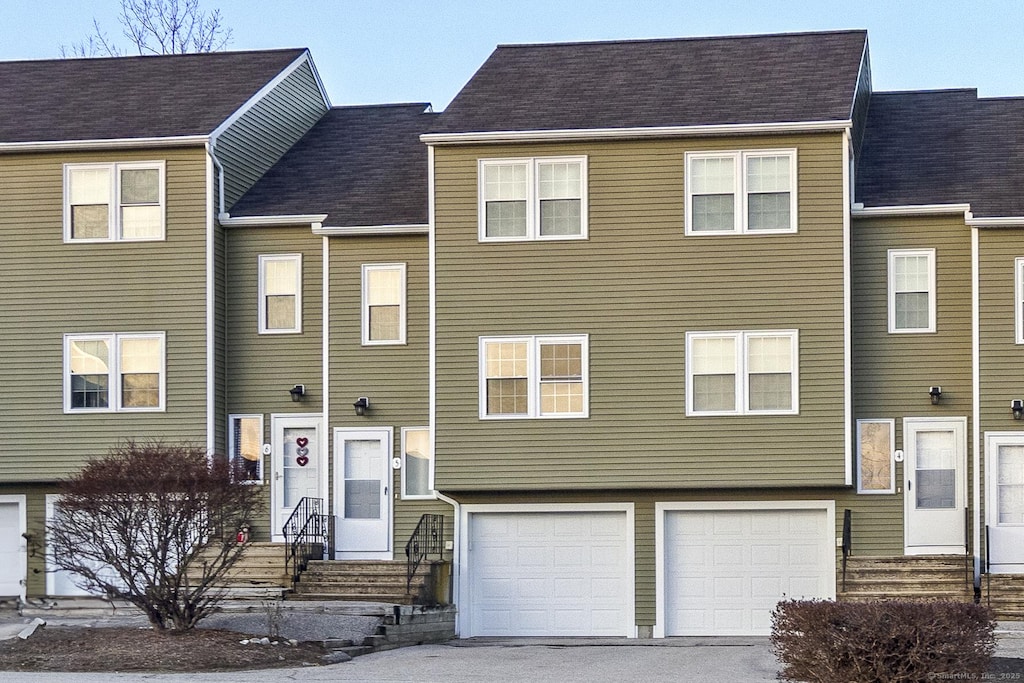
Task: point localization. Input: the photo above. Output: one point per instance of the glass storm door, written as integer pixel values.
(297, 466)
(362, 493)
(935, 472)
(1004, 467)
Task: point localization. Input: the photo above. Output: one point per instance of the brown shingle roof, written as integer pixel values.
(130, 97)
(683, 82)
(359, 165)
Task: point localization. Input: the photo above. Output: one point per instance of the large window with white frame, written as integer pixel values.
(280, 293)
(245, 447)
(543, 198)
(534, 377)
(911, 290)
(742, 373)
(417, 463)
(113, 372)
(114, 201)
(741, 192)
(384, 300)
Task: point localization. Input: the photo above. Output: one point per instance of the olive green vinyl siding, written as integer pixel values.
(636, 286)
(1002, 360)
(393, 377)
(262, 135)
(892, 373)
(52, 289)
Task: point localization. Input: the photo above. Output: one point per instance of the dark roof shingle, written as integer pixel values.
(130, 97)
(779, 78)
(360, 165)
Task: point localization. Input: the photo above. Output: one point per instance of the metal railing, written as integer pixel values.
(847, 544)
(968, 556)
(307, 534)
(426, 539)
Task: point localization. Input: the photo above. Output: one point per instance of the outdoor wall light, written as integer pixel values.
(361, 405)
(1017, 407)
(936, 394)
(297, 392)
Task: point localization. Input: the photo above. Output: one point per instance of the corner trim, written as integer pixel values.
(638, 132)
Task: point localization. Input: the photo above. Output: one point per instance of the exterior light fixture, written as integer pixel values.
(361, 405)
(297, 392)
(936, 394)
(1017, 407)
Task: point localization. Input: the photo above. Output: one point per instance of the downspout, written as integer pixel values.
(976, 397)
(211, 302)
(847, 313)
(325, 449)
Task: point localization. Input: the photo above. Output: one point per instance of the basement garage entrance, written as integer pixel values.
(721, 571)
(557, 571)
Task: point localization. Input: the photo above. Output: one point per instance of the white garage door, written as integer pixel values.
(548, 574)
(12, 553)
(726, 570)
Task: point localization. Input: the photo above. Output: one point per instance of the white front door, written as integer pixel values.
(12, 546)
(362, 493)
(1004, 502)
(297, 463)
(935, 472)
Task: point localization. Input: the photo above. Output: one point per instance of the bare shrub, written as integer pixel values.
(884, 641)
(155, 525)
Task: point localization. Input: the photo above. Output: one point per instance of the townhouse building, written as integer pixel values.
(666, 330)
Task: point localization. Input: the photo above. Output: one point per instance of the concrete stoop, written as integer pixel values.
(1004, 593)
(911, 577)
(406, 626)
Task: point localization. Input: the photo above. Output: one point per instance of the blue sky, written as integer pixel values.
(372, 51)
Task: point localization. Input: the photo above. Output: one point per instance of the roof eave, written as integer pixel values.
(118, 143)
(484, 137)
(230, 221)
(373, 230)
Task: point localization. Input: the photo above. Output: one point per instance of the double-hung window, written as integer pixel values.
(383, 303)
(740, 373)
(114, 202)
(417, 463)
(533, 199)
(741, 192)
(911, 290)
(1018, 276)
(280, 292)
(534, 376)
(114, 372)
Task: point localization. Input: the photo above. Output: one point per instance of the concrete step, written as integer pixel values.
(882, 594)
(390, 598)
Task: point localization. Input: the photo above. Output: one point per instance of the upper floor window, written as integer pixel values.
(533, 199)
(115, 201)
(741, 192)
(417, 463)
(534, 376)
(384, 303)
(911, 290)
(114, 372)
(280, 293)
(1018, 269)
(736, 373)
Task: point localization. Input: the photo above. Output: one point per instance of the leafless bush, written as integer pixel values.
(885, 641)
(155, 525)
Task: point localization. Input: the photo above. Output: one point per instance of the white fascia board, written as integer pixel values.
(910, 210)
(643, 132)
(1001, 222)
(262, 92)
(364, 230)
(113, 143)
(269, 221)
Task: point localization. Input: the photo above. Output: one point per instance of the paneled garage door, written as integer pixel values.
(12, 555)
(725, 570)
(548, 573)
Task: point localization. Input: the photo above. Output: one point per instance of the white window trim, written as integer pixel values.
(740, 226)
(532, 198)
(1018, 306)
(534, 343)
(371, 267)
(932, 296)
(430, 476)
(262, 303)
(742, 338)
(114, 227)
(232, 456)
(892, 463)
(113, 340)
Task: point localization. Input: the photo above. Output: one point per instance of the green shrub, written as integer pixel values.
(884, 641)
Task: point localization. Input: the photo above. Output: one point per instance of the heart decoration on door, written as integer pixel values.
(302, 442)
(302, 460)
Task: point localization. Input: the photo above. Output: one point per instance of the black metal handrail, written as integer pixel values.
(968, 557)
(987, 569)
(307, 533)
(426, 539)
(847, 545)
